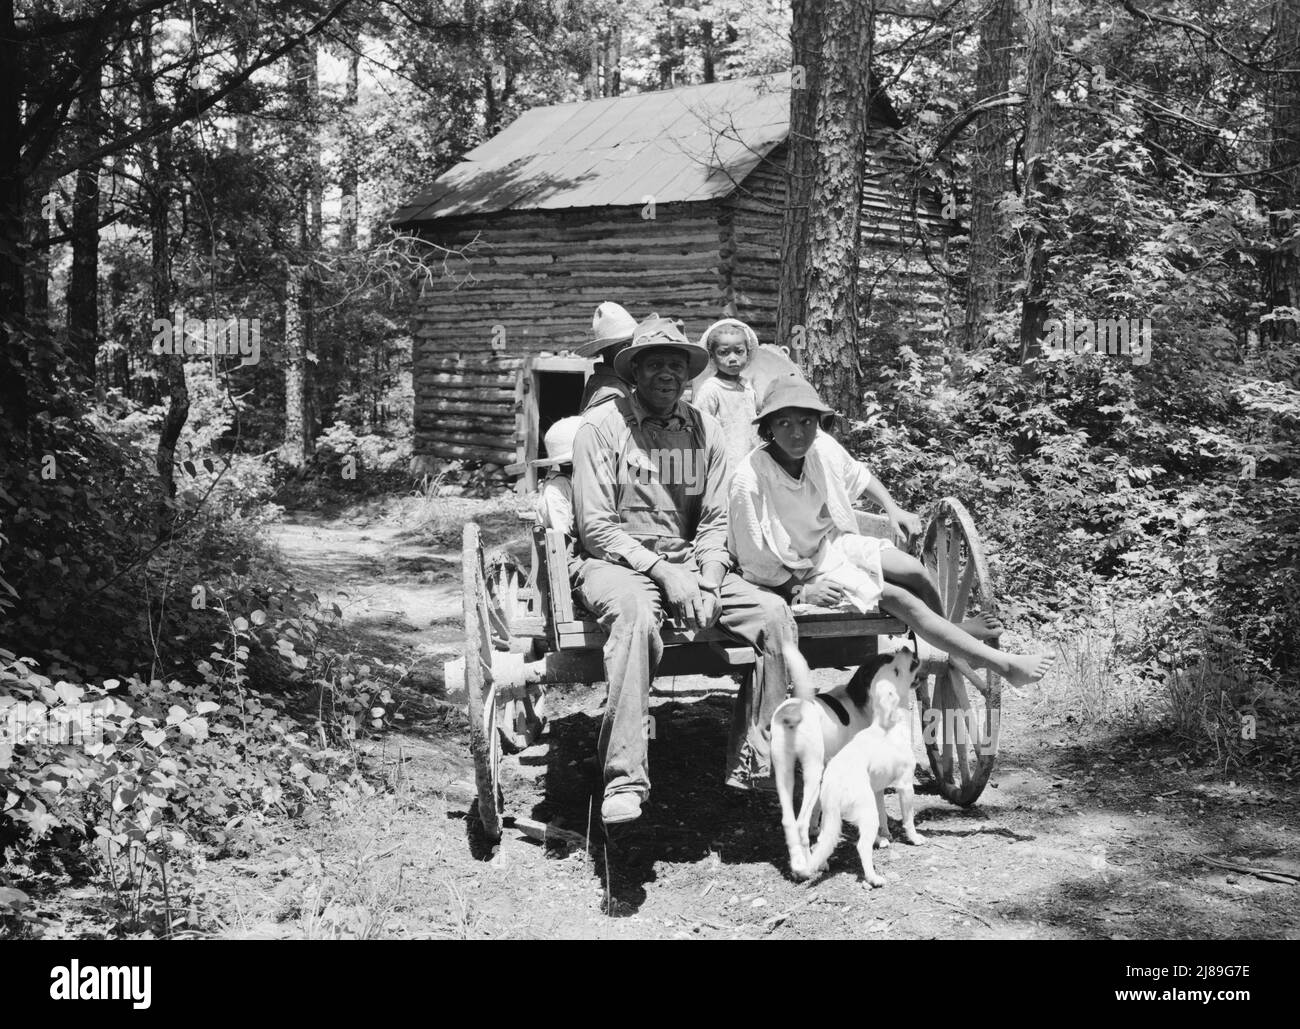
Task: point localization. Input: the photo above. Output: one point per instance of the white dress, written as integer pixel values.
(731, 402)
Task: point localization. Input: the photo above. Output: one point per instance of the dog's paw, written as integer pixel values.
(875, 880)
(914, 838)
(882, 841)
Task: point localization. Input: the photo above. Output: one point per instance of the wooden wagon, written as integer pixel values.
(525, 633)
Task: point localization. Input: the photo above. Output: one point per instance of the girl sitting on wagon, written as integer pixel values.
(792, 529)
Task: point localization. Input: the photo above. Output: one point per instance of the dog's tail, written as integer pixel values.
(801, 679)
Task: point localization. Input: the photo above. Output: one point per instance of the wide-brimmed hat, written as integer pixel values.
(660, 332)
(790, 391)
(559, 442)
(612, 323)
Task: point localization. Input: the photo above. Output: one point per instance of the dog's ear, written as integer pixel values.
(859, 687)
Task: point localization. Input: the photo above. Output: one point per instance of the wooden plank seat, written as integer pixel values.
(828, 638)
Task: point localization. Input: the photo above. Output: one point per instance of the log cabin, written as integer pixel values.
(667, 202)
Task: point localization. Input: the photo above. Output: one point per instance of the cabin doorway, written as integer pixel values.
(552, 388)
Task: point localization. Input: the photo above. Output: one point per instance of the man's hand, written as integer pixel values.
(906, 523)
(823, 594)
(712, 603)
(681, 590)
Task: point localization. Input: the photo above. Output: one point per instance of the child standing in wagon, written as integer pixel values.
(728, 396)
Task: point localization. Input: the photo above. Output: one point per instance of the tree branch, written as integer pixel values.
(199, 103)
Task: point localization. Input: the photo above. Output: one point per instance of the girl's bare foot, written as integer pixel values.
(983, 626)
(1022, 669)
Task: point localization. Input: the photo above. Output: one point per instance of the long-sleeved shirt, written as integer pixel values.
(646, 487)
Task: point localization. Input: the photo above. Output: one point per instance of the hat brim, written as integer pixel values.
(822, 412)
(595, 346)
(697, 358)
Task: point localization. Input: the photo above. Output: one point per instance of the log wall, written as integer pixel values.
(528, 282)
(898, 282)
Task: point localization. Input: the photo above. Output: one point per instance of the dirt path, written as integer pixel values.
(1098, 837)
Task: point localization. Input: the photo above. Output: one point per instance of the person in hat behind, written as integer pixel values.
(792, 529)
(555, 494)
(650, 498)
(611, 330)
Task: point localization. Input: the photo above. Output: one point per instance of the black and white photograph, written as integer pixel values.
(650, 470)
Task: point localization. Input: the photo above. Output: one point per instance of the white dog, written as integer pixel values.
(812, 732)
(878, 757)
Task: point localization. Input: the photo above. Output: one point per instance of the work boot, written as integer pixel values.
(618, 808)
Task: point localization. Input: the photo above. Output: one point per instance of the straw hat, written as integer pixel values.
(660, 332)
(559, 442)
(612, 323)
(790, 391)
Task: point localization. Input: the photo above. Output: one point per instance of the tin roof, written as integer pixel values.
(692, 143)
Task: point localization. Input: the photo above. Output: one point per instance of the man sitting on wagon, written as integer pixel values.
(611, 331)
(650, 500)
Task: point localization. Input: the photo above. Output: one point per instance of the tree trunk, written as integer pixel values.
(1038, 132)
(156, 169)
(830, 357)
(37, 226)
(122, 332)
(988, 171)
(15, 357)
(613, 82)
(348, 177)
(295, 450)
(670, 51)
(315, 177)
(1282, 267)
(805, 84)
(83, 278)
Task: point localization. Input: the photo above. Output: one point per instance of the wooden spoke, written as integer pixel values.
(944, 559)
(964, 733)
(957, 612)
(938, 728)
(972, 676)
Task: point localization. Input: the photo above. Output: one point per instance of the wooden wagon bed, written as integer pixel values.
(522, 635)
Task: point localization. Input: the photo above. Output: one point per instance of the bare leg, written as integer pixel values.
(939, 632)
(904, 570)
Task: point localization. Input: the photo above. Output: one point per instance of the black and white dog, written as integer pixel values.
(813, 732)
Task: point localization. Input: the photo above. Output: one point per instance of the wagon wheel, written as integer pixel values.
(484, 743)
(961, 708)
(519, 721)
